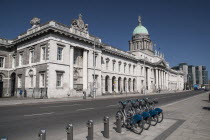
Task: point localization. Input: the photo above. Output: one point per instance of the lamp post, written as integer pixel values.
(94, 67)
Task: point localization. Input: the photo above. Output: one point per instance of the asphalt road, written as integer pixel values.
(22, 122)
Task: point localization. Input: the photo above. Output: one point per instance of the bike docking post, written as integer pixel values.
(90, 130)
(106, 127)
(42, 134)
(69, 130)
(118, 123)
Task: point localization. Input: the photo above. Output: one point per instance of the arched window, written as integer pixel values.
(1, 78)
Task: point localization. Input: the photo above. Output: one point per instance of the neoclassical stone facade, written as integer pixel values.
(54, 60)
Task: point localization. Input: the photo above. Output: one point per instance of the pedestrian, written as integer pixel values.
(25, 93)
(21, 92)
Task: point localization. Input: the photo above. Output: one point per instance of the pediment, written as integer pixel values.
(161, 63)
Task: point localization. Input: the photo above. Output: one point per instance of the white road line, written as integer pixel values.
(39, 114)
(59, 106)
(111, 105)
(84, 109)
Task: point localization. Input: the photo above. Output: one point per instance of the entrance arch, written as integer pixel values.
(113, 83)
(107, 83)
(134, 85)
(124, 84)
(119, 84)
(12, 81)
(129, 84)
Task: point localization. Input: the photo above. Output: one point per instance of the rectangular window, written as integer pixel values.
(31, 59)
(13, 62)
(19, 81)
(129, 68)
(20, 59)
(133, 69)
(60, 53)
(42, 80)
(119, 67)
(124, 68)
(31, 81)
(59, 79)
(1, 62)
(113, 66)
(43, 52)
(107, 65)
(94, 60)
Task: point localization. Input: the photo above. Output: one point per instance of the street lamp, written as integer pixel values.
(94, 67)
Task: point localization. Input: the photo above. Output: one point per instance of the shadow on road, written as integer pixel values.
(206, 101)
(206, 108)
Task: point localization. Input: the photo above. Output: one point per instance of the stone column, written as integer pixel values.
(116, 85)
(110, 86)
(85, 82)
(149, 78)
(156, 79)
(163, 80)
(159, 82)
(71, 69)
(103, 85)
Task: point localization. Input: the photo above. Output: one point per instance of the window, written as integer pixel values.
(1, 62)
(124, 67)
(31, 81)
(59, 79)
(94, 60)
(43, 52)
(31, 59)
(13, 62)
(119, 67)
(60, 53)
(107, 65)
(42, 79)
(20, 59)
(1, 78)
(134, 69)
(113, 66)
(129, 68)
(19, 81)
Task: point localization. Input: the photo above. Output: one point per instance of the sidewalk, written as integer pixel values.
(19, 101)
(188, 119)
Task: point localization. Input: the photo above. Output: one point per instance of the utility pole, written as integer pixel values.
(94, 67)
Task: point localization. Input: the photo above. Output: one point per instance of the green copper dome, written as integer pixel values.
(140, 30)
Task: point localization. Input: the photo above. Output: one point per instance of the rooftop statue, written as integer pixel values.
(79, 24)
(35, 21)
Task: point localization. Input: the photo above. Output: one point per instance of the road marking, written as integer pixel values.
(111, 105)
(59, 106)
(84, 109)
(39, 114)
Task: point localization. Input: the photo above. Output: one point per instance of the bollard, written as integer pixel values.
(69, 130)
(118, 122)
(4, 138)
(90, 130)
(42, 134)
(209, 97)
(106, 127)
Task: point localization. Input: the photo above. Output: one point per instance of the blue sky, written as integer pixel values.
(180, 28)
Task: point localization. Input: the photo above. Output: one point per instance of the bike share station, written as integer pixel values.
(137, 118)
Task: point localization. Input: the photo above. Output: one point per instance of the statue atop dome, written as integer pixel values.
(139, 20)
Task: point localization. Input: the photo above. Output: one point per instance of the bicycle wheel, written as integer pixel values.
(154, 120)
(147, 123)
(160, 117)
(138, 127)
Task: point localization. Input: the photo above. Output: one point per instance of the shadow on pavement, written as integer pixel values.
(206, 108)
(206, 101)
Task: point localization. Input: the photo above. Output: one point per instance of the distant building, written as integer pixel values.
(54, 60)
(193, 75)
